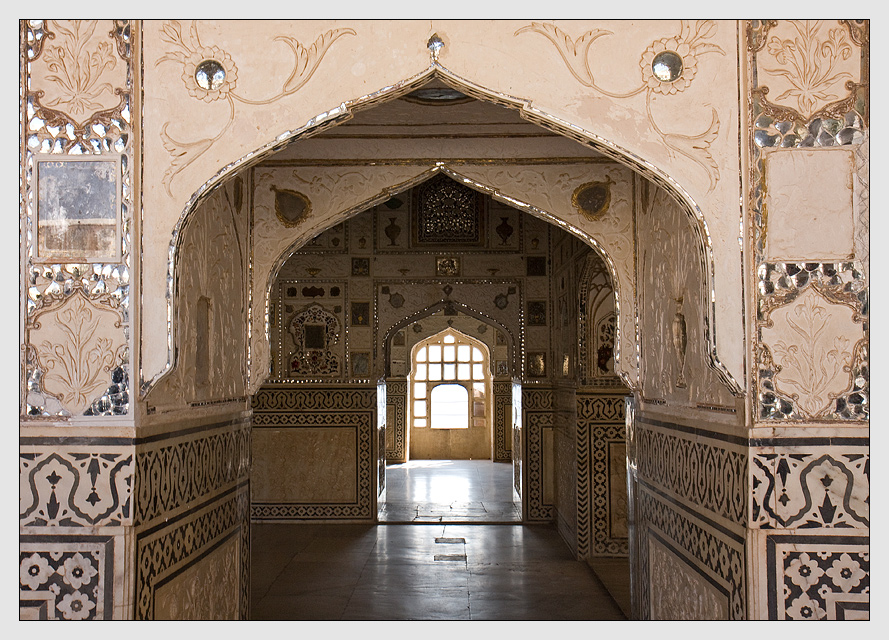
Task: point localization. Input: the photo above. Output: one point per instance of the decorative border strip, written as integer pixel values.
(502, 392)
(717, 553)
(167, 548)
(534, 424)
(396, 403)
(171, 475)
(695, 470)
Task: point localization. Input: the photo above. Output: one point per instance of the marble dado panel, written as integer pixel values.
(601, 476)
(77, 89)
(178, 468)
(306, 465)
(64, 485)
(68, 577)
(699, 468)
(712, 555)
(184, 541)
(813, 343)
(679, 590)
(186, 596)
(814, 576)
(798, 486)
(310, 412)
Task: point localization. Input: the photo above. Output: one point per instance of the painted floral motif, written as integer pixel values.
(804, 571)
(688, 45)
(213, 92)
(78, 71)
(817, 582)
(805, 608)
(846, 573)
(810, 64)
(192, 54)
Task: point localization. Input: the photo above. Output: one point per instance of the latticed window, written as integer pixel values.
(449, 382)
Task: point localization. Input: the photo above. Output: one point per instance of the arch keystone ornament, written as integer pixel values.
(78, 343)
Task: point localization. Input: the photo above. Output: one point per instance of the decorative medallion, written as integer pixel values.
(448, 266)
(592, 199)
(291, 207)
(535, 364)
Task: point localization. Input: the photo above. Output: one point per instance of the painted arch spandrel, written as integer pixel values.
(600, 75)
(276, 76)
(700, 150)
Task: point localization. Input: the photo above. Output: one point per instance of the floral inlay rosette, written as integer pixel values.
(658, 55)
(209, 74)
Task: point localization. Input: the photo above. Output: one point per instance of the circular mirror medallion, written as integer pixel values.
(210, 75)
(667, 66)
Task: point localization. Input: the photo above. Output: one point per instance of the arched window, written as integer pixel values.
(450, 375)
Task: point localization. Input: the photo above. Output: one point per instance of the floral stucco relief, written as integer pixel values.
(812, 343)
(689, 45)
(78, 344)
(808, 65)
(78, 72)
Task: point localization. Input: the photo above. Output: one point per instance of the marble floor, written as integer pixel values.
(452, 491)
(450, 546)
(421, 572)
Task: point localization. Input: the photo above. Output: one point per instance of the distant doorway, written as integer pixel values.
(449, 413)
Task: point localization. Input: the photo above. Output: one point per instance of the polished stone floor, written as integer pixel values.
(421, 572)
(451, 546)
(452, 491)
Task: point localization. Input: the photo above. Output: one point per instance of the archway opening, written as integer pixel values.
(357, 274)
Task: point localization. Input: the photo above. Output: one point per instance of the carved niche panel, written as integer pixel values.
(211, 305)
(314, 334)
(674, 310)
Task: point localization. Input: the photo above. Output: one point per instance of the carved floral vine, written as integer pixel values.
(192, 54)
(688, 45)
